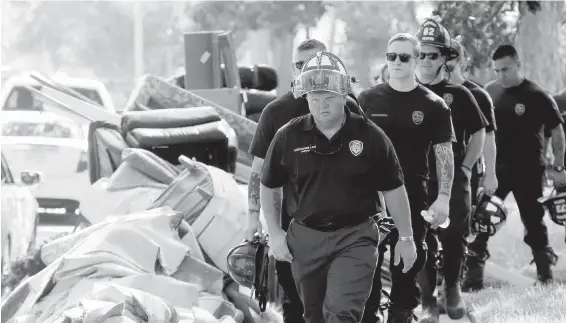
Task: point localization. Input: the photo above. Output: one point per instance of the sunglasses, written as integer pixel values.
(404, 58)
(326, 153)
(299, 64)
(432, 56)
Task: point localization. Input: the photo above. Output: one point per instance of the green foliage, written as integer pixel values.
(95, 36)
(369, 25)
(483, 25)
(278, 16)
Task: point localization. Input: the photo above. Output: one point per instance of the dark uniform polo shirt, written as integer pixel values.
(466, 116)
(484, 102)
(523, 113)
(274, 116)
(333, 180)
(413, 120)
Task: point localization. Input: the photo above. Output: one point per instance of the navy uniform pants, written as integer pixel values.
(454, 238)
(405, 292)
(333, 271)
(526, 185)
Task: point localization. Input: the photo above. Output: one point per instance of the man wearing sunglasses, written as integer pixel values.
(455, 70)
(415, 119)
(276, 114)
(524, 112)
(335, 162)
(469, 127)
(485, 167)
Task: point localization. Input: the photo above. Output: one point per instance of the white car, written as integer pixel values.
(19, 214)
(57, 148)
(15, 97)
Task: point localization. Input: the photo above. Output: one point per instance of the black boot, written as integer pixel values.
(400, 316)
(375, 317)
(455, 306)
(544, 259)
(475, 265)
(427, 282)
(372, 315)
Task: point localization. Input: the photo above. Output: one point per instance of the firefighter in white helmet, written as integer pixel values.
(335, 162)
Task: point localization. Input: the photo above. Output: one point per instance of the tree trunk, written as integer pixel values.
(282, 54)
(538, 44)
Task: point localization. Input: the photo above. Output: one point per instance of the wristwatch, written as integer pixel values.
(559, 168)
(409, 238)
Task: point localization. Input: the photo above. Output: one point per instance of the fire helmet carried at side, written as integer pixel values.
(489, 215)
(555, 204)
(248, 265)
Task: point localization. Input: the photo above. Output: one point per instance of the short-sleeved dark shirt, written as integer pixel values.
(334, 179)
(484, 102)
(274, 116)
(466, 116)
(523, 113)
(413, 120)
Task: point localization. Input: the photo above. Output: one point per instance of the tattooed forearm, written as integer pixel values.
(271, 202)
(254, 202)
(444, 167)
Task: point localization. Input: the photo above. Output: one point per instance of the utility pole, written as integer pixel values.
(138, 40)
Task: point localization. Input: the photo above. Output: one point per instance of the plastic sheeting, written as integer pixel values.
(133, 268)
(211, 202)
(138, 181)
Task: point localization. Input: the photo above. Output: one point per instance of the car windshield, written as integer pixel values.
(21, 99)
(50, 129)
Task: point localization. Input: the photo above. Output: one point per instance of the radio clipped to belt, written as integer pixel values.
(248, 265)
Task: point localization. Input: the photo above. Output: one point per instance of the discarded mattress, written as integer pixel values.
(133, 268)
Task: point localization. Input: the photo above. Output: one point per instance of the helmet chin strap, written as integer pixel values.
(438, 70)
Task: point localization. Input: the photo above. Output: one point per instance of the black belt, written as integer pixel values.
(331, 226)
